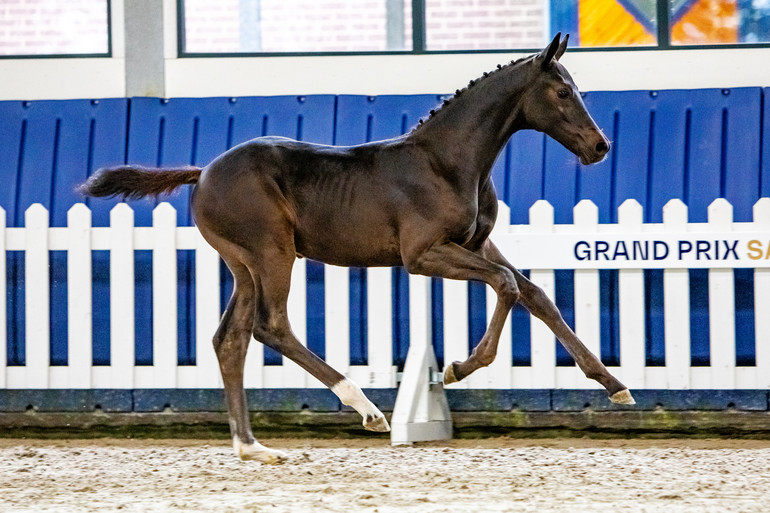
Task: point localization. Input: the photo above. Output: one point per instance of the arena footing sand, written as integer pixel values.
(495, 475)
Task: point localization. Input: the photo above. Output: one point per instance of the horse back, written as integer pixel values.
(345, 206)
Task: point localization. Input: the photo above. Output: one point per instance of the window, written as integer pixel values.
(309, 26)
(485, 24)
(616, 23)
(280, 26)
(666, 23)
(714, 21)
(54, 27)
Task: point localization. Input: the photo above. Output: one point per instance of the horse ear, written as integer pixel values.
(562, 48)
(546, 56)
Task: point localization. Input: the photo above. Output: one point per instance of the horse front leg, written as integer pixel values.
(486, 350)
(455, 262)
(541, 306)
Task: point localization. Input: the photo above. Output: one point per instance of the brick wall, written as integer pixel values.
(38, 27)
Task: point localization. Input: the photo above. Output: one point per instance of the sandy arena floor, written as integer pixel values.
(565, 475)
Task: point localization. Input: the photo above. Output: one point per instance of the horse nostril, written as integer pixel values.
(602, 147)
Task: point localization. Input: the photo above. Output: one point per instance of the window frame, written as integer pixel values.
(96, 55)
(419, 41)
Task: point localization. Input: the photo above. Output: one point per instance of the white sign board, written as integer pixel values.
(641, 250)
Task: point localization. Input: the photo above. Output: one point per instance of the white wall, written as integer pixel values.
(30, 79)
(413, 74)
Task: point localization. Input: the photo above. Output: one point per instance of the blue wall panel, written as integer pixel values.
(363, 119)
(48, 148)
(695, 145)
(525, 174)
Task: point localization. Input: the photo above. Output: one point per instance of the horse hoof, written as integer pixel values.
(622, 397)
(258, 452)
(376, 423)
(265, 455)
(449, 374)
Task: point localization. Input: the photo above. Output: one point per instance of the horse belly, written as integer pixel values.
(347, 242)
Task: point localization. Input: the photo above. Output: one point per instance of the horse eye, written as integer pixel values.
(563, 93)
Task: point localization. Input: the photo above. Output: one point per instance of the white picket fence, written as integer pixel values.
(540, 246)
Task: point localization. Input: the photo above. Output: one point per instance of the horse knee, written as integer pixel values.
(508, 290)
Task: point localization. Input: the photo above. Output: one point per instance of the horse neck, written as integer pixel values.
(467, 134)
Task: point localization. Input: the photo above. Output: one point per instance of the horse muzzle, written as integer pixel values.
(595, 153)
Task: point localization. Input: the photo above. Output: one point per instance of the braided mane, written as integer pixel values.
(470, 85)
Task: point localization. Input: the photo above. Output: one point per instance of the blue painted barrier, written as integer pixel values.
(48, 148)
(695, 145)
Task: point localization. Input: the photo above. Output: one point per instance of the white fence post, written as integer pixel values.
(122, 354)
(337, 318)
(254, 371)
(206, 314)
(79, 297)
(721, 306)
(37, 297)
(676, 306)
(293, 375)
(455, 325)
(499, 372)
(543, 340)
(380, 328)
(631, 304)
(762, 297)
(164, 302)
(587, 301)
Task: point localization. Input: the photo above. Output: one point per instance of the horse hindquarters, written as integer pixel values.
(256, 240)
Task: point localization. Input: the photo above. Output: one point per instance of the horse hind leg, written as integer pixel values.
(272, 328)
(231, 343)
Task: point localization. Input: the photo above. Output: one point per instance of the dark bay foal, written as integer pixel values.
(424, 200)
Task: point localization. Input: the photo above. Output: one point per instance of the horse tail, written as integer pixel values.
(134, 182)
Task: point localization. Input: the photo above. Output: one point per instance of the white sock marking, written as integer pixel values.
(351, 395)
(256, 451)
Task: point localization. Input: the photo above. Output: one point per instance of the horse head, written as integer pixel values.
(553, 104)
